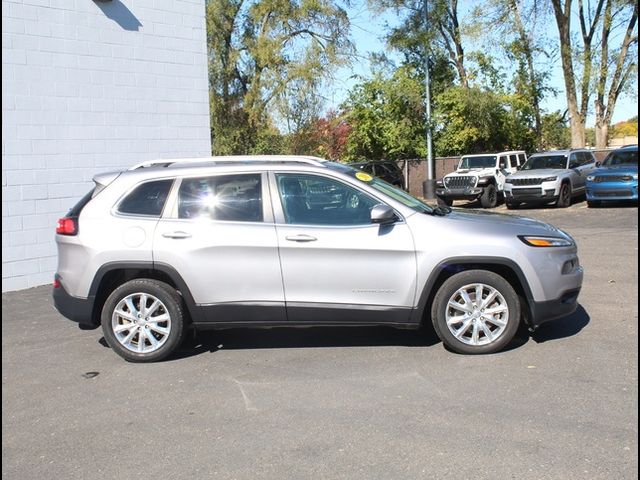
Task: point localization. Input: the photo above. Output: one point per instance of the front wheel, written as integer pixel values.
(143, 320)
(476, 311)
(564, 199)
(489, 197)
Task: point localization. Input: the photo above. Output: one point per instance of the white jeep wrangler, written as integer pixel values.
(479, 177)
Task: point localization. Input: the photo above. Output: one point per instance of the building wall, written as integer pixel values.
(90, 86)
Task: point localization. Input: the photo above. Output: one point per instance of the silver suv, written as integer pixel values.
(298, 241)
(556, 176)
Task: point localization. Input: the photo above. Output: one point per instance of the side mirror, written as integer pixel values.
(383, 215)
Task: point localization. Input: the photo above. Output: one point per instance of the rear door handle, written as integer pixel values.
(301, 238)
(177, 234)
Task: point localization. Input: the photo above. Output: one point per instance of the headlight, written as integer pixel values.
(550, 179)
(591, 178)
(634, 176)
(546, 241)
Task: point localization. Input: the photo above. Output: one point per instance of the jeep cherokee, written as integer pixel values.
(231, 242)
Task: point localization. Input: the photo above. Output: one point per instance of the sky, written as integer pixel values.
(367, 33)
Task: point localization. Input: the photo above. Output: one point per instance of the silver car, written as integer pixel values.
(550, 177)
(298, 241)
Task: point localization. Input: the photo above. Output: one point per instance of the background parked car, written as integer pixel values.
(617, 179)
(390, 172)
(556, 176)
(479, 177)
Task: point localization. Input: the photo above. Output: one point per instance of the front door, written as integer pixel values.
(221, 239)
(337, 266)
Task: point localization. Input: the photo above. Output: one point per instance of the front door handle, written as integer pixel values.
(301, 238)
(177, 234)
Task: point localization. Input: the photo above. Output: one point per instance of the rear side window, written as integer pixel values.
(146, 199)
(513, 160)
(232, 198)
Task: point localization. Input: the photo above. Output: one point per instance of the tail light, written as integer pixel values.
(67, 226)
(56, 282)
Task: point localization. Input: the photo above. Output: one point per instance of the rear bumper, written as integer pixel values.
(542, 312)
(76, 309)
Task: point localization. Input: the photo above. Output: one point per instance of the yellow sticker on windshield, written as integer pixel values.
(365, 177)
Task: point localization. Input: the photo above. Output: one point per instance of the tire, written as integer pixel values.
(159, 338)
(564, 199)
(471, 335)
(593, 203)
(512, 205)
(489, 197)
(445, 202)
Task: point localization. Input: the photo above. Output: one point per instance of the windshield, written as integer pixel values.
(383, 187)
(626, 158)
(557, 162)
(478, 162)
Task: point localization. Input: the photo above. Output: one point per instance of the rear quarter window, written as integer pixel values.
(77, 208)
(146, 199)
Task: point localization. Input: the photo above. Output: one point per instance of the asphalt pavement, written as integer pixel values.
(331, 403)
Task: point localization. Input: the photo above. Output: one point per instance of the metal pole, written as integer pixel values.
(430, 184)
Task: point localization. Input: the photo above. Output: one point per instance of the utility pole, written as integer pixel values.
(429, 187)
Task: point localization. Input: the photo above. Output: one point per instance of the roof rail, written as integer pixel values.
(231, 159)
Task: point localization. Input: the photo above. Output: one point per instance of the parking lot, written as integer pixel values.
(335, 403)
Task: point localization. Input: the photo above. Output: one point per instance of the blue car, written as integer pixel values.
(617, 179)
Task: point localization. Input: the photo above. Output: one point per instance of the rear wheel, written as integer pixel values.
(564, 199)
(476, 311)
(143, 320)
(489, 197)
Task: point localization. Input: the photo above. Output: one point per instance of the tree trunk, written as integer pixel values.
(576, 119)
(602, 134)
(533, 79)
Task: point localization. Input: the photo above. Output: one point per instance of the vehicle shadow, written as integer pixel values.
(562, 328)
(210, 341)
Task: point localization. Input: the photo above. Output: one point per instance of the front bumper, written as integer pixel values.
(530, 194)
(459, 193)
(76, 309)
(565, 304)
(598, 191)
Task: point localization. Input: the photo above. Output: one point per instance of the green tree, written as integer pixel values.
(475, 120)
(257, 49)
(386, 116)
(555, 132)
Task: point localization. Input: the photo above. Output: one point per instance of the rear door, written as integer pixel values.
(337, 266)
(221, 239)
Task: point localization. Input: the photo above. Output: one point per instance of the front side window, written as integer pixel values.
(315, 200)
(232, 198)
(573, 161)
(146, 199)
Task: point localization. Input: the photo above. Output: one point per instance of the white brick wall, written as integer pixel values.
(87, 87)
